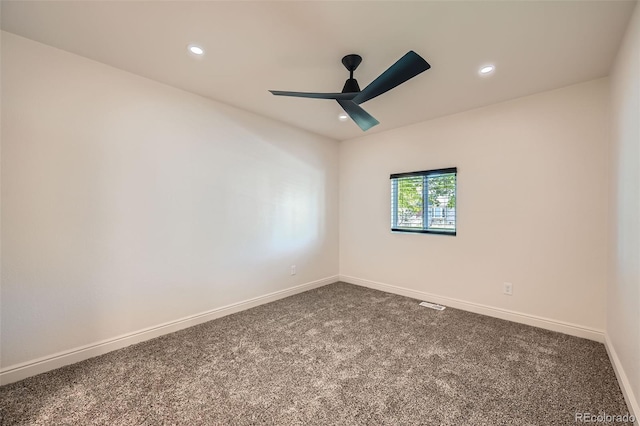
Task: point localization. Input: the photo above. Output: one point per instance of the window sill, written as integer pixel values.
(423, 231)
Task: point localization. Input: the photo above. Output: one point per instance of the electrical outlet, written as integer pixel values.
(293, 269)
(508, 289)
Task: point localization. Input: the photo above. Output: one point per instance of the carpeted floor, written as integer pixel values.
(337, 355)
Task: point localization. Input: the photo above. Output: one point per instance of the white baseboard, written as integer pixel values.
(16, 372)
(533, 320)
(623, 380)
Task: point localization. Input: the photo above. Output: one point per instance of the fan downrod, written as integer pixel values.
(351, 62)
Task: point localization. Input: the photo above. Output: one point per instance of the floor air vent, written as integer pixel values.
(433, 306)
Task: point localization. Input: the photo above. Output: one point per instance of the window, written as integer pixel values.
(424, 201)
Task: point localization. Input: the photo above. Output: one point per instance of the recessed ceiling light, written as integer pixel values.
(487, 69)
(196, 50)
(343, 117)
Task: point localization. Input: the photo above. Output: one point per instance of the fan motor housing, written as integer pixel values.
(351, 86)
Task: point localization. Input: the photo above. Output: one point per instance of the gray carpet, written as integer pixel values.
(337, 355)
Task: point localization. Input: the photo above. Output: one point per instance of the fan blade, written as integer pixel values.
(359, 115)
(346, 96)
(406, 68)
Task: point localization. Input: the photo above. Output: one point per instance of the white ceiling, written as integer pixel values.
(255, 46)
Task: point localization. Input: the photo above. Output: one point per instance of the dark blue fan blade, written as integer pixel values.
(346, 96)
(357, 114)
(406, 68)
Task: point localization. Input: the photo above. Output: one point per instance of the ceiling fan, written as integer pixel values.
(351, 96)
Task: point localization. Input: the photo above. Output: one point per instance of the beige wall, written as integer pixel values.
(532, 206)
(127, 203)
(623, 290)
